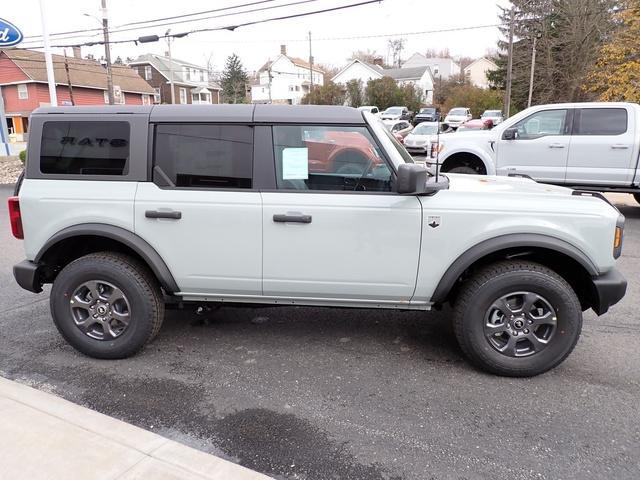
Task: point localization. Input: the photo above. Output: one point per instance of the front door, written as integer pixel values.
(541, 148)
(333, 229)
(200, 213)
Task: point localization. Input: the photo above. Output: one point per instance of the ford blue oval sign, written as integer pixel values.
(10, 35)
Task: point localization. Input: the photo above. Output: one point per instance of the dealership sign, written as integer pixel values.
(10, 35)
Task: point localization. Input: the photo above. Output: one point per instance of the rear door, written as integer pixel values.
(602, 147)
(541, 148)
(201, 213)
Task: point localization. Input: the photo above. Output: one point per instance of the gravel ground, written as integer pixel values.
(10, 168)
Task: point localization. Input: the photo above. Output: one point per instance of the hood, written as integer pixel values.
(391, 116)
(456, 117)
(419, 140)
(498, 184)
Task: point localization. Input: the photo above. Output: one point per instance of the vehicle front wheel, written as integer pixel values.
(637, 197)
(466, 170)
(517, 319)
(107, 305)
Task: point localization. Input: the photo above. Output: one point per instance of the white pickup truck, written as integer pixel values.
(591, 146)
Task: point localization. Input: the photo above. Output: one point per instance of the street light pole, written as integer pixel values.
(51, 80)
(107, 52)
(310, 68)
(507, 94)
(533, 67)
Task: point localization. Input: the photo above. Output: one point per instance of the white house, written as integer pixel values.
(440, 67)
(476, 72)
(284, 80)
(359, 70)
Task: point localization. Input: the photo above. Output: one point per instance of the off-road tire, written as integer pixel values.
(138, 285)
(464, 169)
(479, 292)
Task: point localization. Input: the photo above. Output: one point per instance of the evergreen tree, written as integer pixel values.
(234, 81)
(355, 92)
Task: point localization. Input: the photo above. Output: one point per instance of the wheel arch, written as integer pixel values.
(561, 256)
(78, 240)
(468, 157)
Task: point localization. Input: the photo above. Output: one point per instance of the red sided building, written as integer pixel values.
(23, 80)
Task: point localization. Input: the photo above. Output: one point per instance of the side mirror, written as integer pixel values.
(412, 179)
(510, 134)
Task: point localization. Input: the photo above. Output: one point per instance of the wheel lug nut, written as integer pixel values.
(526, 330)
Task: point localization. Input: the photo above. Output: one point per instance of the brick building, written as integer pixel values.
(23, 79)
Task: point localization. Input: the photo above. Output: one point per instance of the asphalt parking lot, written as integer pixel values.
(308, 393)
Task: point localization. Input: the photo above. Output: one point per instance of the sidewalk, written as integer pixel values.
(45, 437)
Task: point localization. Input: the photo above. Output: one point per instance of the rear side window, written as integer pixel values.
(204, 156)
(601, 121)
(85, 148)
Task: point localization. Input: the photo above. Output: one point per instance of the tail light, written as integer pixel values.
(435, 149)
(15, 218)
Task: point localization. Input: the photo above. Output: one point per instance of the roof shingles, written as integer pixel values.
(82, 72)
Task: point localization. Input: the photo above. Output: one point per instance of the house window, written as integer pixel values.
(147, 72)
(23, 93)
(183, 95)
(156, 95)
(202, 75)
(146, 100)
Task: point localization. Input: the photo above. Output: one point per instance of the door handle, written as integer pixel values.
(283, 218)
(172, 214)
(619, 146)
(556, 145)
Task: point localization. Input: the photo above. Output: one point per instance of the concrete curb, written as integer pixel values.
(46, 437)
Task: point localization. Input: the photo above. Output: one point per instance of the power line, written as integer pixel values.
(253, 10)
(212, 29)
(157, 19)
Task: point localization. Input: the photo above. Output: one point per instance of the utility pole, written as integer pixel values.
(270, 77)
(533, 68)
(173, 91)
(507, 93)
(310, 68)
(66, 69)
(107, 51)
(51, 80)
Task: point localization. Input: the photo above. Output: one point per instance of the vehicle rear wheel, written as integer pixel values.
(107, 305)
(637, 197)
(517, 319)
(464, 169)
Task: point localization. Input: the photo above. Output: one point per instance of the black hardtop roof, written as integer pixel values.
(238, 113)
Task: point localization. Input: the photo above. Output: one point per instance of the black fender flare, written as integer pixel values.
(515, 240)
(119, 234)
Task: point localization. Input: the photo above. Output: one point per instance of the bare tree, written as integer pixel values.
(395, 48)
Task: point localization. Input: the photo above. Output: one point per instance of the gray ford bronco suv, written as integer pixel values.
(126, 208)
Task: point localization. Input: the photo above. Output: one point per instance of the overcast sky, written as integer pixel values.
(255, 44)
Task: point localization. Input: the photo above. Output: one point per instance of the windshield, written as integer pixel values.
(492, 113)
(425, 129)
(427, 110)
(401, 150)
(457, 111)
(393, 110)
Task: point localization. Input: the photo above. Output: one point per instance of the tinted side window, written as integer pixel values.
(85, 148)
(205, 156)
(601, 121)
(335, 157)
